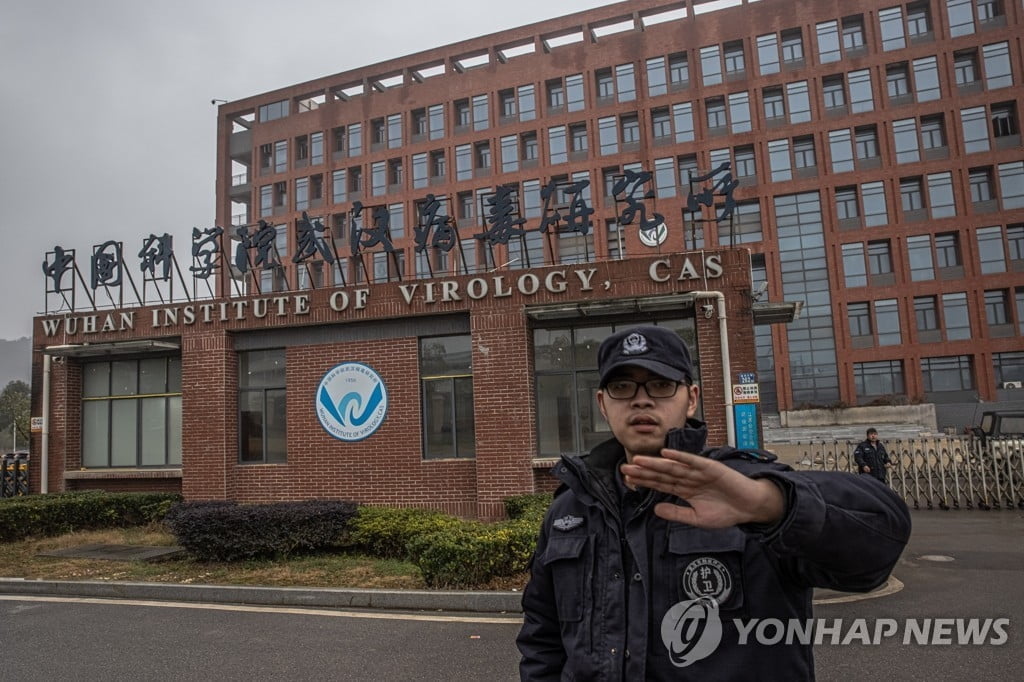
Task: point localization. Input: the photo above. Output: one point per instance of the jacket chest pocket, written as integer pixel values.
(566, 557)
(708, 564)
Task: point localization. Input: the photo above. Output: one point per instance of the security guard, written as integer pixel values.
(652, 558)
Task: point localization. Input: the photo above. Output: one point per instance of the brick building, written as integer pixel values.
(877, 152)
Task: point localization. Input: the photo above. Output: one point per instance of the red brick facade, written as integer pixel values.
(387, 468)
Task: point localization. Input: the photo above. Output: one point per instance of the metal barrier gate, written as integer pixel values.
(944, 473)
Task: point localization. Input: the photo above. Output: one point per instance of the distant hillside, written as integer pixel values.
(15, 361)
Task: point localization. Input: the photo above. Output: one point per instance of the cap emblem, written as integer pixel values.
(634, 344)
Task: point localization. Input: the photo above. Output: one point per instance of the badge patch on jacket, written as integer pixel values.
(707, 577)
(568, 522)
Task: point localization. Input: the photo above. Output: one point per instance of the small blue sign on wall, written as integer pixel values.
(747, 378)
(746, 425)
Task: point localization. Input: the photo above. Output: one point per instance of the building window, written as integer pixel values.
(739, 112)
(779, 160)
(965, 68)
(998, 73)
(262, 433)
(947, 250)
(875, 211)
(897, 82)
(657, 77)
(990, 252)
(866, 142)
(891, 21)
(1008, 367)
(510, 152)
(803, 152)
(625, 82)
(630, 125)
(273, 111)
(1004, 122)
(933, 133)
(926, 316)
(926, 79)
(1011, 185)
(853, 34)
(975, 129)
(841, 150)
(997, 308)
(446, 381)
(678, 71)
(607, 135)
(799, 102)
(854, 269)
(131, 413)
(834, 91)
(860, 323)
(980, 180)
(355, 139)
(828, 42)
(911, 196)
(955, 316)
(768, 54)
(940, 195)
(961, 17)
(951, 373)
(566, 379)
(481, 112)
(861, 98)
(883, 378)
(716, 117)
(774, 105)
(792, 47)
(887, 322)
(745, 166)
(847, 207)
(879, 258)
(919, 22)
(733, 56)
(711, 65)
(919, 251)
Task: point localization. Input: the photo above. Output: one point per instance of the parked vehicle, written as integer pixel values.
(996, 424)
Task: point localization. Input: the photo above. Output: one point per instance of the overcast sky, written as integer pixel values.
(106, 126)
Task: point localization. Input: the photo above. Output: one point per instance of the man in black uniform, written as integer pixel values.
(651, 556)
(871, 456)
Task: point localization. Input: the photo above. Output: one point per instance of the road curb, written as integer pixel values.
(410, 600)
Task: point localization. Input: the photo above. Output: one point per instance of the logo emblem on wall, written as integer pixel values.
(654, 236)
(351, 401)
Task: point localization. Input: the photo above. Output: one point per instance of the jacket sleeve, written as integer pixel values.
(840, 531)
(858, 457)
(540, 640)
(884, 453)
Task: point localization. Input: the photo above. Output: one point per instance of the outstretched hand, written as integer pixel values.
(718, 496)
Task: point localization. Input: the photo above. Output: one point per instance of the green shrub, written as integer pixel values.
(385, 531)
(473, 554)
(219, 531)
(60, 513)
(532, 506)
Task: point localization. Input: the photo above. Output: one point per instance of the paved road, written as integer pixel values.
(45, 638)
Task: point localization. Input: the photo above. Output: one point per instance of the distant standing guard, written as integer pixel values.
(871, 456)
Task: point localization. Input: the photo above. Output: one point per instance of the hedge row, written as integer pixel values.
(225, 531)
(57, 514)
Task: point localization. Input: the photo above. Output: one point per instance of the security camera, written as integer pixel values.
(709, 310)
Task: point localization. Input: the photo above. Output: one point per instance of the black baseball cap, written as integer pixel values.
(655, 348)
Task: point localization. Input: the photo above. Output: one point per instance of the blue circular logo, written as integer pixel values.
(351, 401)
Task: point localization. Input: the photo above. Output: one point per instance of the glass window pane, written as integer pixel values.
(124, 433)
(555, 415)
(438, 413)
(154, 431)
(445, 355)
(277, 442)
(123, 377)
(250, 426)
(96, 379)
(152, 375)
(95, 432)
(174, 430)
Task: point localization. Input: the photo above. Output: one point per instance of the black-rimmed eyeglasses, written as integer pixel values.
(626, 389)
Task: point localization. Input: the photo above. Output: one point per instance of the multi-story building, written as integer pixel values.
(419, 257)
(876, 145)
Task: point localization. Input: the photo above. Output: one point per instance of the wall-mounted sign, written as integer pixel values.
(746, 393)
(351, 401)
(747, 378)
(37, 424)
(746, 426)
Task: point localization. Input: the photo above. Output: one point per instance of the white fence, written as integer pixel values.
(943, 473)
